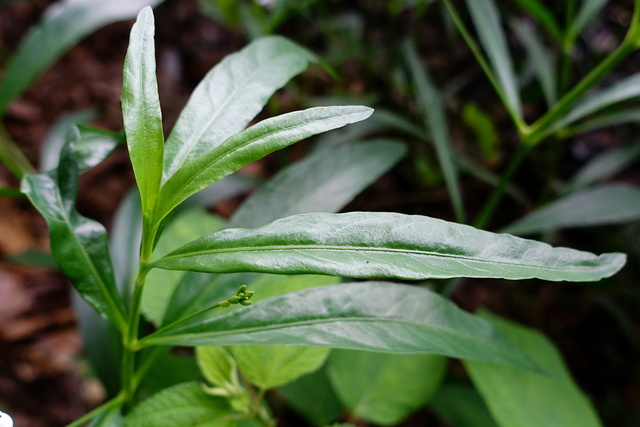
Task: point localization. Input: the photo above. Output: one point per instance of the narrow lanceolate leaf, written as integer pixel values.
(368, 244)
(543, 15)
(230, 96)
(323, 182)
(605, 165)
(64, 24)
(487, 22)
(141, 110)
(78, 244)
(544, 400)
(589, 9)
(610, 204)
(250, 145)
(361, 316)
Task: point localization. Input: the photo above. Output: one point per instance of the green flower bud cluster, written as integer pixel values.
(242, 297)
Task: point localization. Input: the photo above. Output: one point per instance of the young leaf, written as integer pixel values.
(64, 24)
(610, 204)
(325, 181)
(141, 111)
(402, 382)
(487, 22)
(78, 244)
(183, 405)
(217, 366)
(542, 400)
(361, 316)
(230, 96)
(379, 244)
(250, 145)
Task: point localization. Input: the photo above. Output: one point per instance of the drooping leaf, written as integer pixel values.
(313, 397)
(361, 316)
(433, 108)
(323, 182)
(529, 399)
(489, 28)
(384, 388)
(64, 24)
(230, 96)
(250, 145)
(461, 406)
(379, 244)
(183, 405)
(78, 244)
(605, 166)
(607, 204)
(543, 15)
(141, 110)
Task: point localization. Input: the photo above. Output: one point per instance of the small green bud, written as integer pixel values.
(245, 302)
(249, 294)
(234, 300)
(241, 289)
(224, 303)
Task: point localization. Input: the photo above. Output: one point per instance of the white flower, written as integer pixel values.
(5, 420)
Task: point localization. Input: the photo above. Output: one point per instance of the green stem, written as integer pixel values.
(116, 401)
(12, 157)
(260, 412)
(495, 197)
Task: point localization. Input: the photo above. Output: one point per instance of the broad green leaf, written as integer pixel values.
(268, 367)
(529, 399)
(461, 406)
(160, 285)
(169, 369)
(78, 244)
(183, 405)
(141, 111)
(487, 22)
(361, 316)
(217, 366)
(543, 15)
(541, 58)
(605, 166)
(589, 9)
(325, 181)
(250, 145)
(313, 397)
(610, 204)
(384, 388)
(380, 244)
(622, 90)
(230, 96)
(64, 24)
(433, 108)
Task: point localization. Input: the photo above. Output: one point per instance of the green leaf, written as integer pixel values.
(313, 397)
(384, 388)
(610, 204)
(250, 145)
(64, 24)
(361, 316)
(605, 166)
(126, 235)
(529, 399)
(379, 244)
(230, 96)
(605, 119)
(433, 108)
(541, 58)
(57, 136)
(543, 15)
(218, 366)
(268, 367)
(79, 245)
(168, 370)
(487, 22)
(141, 111)
(589, 9)
(183, 405)
(461, 406)
(325, 181)
(109, 418)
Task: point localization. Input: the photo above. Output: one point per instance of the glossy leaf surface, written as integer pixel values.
(384, 388)
(323, 182)
(230, 96)
(141, 110)
(250, 145)
(183, 405)
(611, 204)
(362, 316)
(367, 244)
(78, 244)
(64, 24)
(529, 399)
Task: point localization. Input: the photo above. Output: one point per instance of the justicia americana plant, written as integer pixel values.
(210, 142)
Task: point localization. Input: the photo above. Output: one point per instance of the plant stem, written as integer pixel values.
(12, 157)
(568, 44)
(116, 401)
